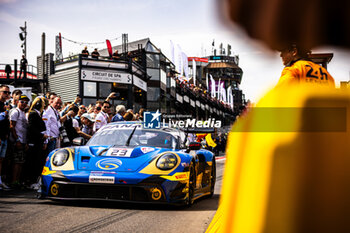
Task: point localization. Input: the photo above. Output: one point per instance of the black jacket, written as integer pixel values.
(36, 125)
(4, 124)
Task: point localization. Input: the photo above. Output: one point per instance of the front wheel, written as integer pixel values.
(191, 185)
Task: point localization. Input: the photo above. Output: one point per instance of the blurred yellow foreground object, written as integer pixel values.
(288, 165)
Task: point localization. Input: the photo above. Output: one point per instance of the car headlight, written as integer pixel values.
(60, 157)
(167, 161)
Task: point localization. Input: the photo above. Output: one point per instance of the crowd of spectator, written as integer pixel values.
(29, 131)
(200, 91)
(134, 56)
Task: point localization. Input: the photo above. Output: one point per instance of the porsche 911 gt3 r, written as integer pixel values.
(125, 162)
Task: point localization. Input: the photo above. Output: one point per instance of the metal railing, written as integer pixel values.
(30, 68)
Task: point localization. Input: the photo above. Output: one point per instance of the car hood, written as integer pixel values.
(115, 159)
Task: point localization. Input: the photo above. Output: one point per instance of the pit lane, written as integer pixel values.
(21, 211)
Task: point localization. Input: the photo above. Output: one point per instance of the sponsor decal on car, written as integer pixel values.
(101, 179)
(108, 164)
(147, 149)
(46, 171)
(179, 176)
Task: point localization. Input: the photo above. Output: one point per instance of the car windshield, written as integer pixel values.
(141, 137)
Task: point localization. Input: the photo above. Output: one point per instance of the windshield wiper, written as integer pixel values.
(129, 139)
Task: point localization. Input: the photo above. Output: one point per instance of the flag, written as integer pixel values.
(212, 91)
(230, 96)
(185, 64)
(109, 48)
(218, 90)
(194, 71)
(207, 81)
(172, 55)
(178, 60)
(223, 92)
(210, 141)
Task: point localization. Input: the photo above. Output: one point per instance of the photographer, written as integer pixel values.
(87, 128)
(69, 126)
(76, 102)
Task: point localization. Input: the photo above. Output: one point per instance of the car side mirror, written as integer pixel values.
(79, 141)
(195, 146)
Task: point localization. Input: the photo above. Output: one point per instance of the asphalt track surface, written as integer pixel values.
(21, 211)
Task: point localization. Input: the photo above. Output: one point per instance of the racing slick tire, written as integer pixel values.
(192, 185)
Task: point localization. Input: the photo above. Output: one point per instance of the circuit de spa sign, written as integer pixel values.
(106, 76)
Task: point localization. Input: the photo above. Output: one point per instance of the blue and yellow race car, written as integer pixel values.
(126, 162)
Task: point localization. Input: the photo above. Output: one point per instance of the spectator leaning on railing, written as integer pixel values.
(95, 54)
(85, 52)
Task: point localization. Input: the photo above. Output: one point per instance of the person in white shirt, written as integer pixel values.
(102, 118)
(52, 121)
(18, 138)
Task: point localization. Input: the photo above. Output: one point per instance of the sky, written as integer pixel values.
(193, 25)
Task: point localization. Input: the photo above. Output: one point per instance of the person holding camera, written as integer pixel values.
(69, 126)
(52, 121)
(87, 129)
(76, 102)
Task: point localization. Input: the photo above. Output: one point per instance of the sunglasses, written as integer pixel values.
(106, 106)
(7, 92)
(83, 109)
(23, 102)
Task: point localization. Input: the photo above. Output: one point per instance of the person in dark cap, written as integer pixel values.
(300, 69)
(95, 54)
(18, 138)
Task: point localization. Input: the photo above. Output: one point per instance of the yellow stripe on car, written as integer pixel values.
(178, 176)
(47, 171)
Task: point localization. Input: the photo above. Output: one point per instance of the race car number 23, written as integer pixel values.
(119, 152)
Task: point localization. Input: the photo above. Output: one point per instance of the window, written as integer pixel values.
(152, 60)
(153, 93)
(90, 89)
(154, 73)
(104, 89)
